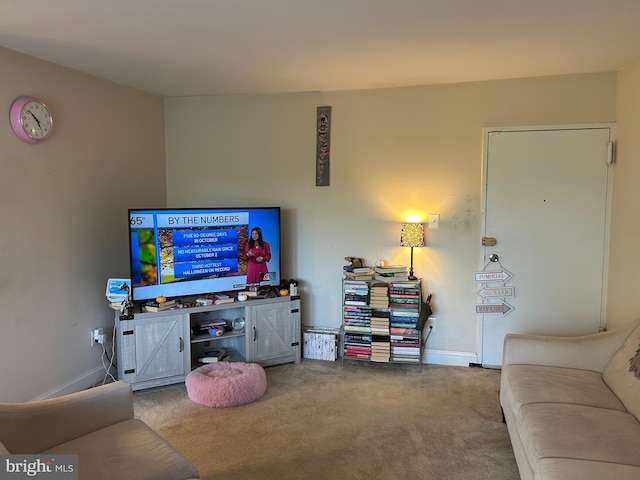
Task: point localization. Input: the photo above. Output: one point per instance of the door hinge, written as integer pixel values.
(132, 370)
(295, 344)
(295, 310)
(489, 242)
(128, 332)
(611, 153)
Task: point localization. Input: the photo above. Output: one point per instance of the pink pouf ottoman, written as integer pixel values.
(226, 384)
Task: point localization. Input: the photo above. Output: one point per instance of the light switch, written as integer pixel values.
(434, 221)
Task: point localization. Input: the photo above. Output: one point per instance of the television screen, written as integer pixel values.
(196, 251)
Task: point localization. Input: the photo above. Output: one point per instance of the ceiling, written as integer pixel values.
(221, 47)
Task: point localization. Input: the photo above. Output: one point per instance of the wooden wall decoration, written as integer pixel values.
(323, 146)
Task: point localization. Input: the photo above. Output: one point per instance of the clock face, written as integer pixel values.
(31, 120)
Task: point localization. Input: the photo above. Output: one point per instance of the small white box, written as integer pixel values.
(320, 344)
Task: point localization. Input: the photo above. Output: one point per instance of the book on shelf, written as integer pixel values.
(350, 284)
(412, 359)
(220, 301)
(379, 304)
(409, 284)
(361, 269)
(402, 331)
(359, 276)
(349, 328)
(160, 307)
(391, 278)
(382, 286)
(379, 331)
(391, 269)
(379, 322)
(404, 312)
(360, 303)
(400, 308)
(213, 356)
(380, 358)
(404, 301)
(413, 295)
(205, 325)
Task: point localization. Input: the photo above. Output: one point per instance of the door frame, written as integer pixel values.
(486, 132)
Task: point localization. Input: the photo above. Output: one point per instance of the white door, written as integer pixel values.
(546, 205)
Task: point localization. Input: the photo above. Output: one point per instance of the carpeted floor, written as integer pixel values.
(320, 420)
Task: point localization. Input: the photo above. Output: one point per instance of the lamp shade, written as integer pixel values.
(412, 235)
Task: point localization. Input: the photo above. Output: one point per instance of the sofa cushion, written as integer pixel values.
(131, 444)
(622, 374)
(523, 384)
(578, 432)
(572, 469)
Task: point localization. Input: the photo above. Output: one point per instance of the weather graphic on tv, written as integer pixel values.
(200, 253)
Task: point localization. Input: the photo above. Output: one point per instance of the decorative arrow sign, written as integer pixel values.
(497, 292)
(498, 276)
(490, 308)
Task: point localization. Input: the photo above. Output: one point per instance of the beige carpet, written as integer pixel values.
(321, 420)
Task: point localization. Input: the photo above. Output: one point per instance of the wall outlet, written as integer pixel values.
(431, 323)
(97, 336)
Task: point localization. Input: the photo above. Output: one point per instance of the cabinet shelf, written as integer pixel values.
(209, 338)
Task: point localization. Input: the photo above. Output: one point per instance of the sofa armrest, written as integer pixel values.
(586, 352)
(33, 427)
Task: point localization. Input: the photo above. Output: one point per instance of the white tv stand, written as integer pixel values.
(155, 349)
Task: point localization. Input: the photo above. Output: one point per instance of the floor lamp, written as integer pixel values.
(412, 235)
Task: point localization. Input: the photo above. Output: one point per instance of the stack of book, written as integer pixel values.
(380, 322)
(356, 292)
(358, 273)
(405, 348)
(219, 298)
(160, 307)
(357, 319)
(391, 273)
(404, 304)
(379, 296)
(380, 348)
(357, 345)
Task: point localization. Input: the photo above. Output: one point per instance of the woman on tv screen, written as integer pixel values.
(258, 253)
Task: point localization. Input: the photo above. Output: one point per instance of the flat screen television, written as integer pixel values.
(180, 252)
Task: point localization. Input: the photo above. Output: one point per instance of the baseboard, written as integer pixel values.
(82, 382)
(449, 357)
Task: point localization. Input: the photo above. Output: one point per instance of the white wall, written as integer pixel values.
(624, 264)
(394, 152)
(63, 214)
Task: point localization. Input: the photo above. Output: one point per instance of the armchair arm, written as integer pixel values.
(33, 427)
(586, 352)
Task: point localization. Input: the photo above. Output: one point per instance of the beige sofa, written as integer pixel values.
(97, 425)
(572, 405)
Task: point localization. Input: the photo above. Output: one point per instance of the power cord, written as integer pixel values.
(107, 368)
(108, 377)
